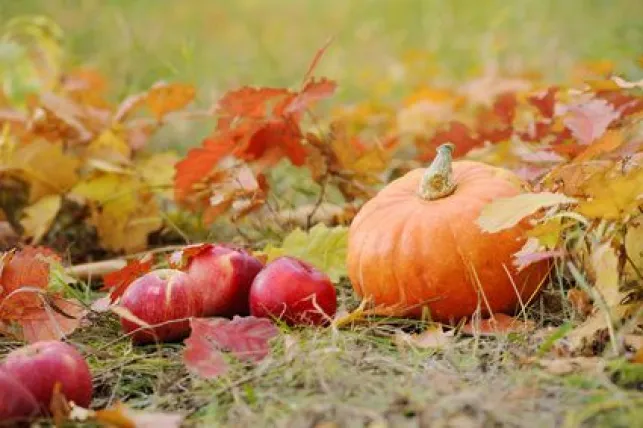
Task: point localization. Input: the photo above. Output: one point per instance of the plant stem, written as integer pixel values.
(437, 181)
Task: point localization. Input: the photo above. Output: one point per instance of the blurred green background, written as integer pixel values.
(220, 44)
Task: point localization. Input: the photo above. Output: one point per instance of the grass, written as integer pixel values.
(357, 376)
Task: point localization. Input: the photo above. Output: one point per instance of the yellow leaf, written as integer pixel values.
(613, 196)
(605, 266)
(164, 98)
(504, 213)
(39, 217)
(547, 233)
(123, 211)
(158, 172)
(46, 168)
(109, 147)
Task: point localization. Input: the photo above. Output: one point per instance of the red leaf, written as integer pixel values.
(247, 338)
(311, 93)
(499, 324)
(180, 259)
(247, 103)
(274, 140)
(199, 164)
(457, 133)
(119, 280)
(546, 102)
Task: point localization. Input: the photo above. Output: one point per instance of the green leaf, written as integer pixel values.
(323, 247)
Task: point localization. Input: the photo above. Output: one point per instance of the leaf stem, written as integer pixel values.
(437, 181)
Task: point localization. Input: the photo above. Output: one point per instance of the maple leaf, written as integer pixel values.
(164, 98)
(246, 337)
(249, 103)
(38, 217)
(312, 92)
(119, 280)
(322, 246)
(498, 324)
(589, 120)
(504, 213)
(496, 124)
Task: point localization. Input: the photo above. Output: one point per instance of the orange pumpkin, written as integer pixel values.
(416, 244)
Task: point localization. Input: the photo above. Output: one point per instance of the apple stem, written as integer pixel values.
(437, 182)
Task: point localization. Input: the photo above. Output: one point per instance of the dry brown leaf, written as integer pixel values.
(580, 301)
(583, 337)
(431, 338)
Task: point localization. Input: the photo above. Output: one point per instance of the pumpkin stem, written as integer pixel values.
(437, 181)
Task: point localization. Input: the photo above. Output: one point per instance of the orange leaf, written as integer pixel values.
(311, 93)
(119, 280)
(318, 55)
(546, 102)
(180, 259)
(165, 98)
(248, 103)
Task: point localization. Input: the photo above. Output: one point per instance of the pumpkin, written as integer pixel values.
(416, 245)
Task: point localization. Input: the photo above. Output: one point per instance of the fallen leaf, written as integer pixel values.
(634, 250)
(59, 406)
(39, 217)
(164, 98)
(589, 120)
(32, 307)
(587, 335)
(180, 259)
(157, 172)
(46, 168)
(118, 281)
(322, 246)
(612, 194)
(121, 416)
(431, 338)
(498, 324)
(245, 337)
(504, 213)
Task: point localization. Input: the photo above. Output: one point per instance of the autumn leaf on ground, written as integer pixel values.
(589, 120)
(580, 301)
(431, 338)
(504, 213)
(634, 250)
(32, 305)
(46, 168)
(157, 172)
(587, 337)
(612, 194)
(322, 246)
(164, 98)
(564, 366)
(123, 210)
(39, 217)
(119, 280)
(498, 324)
(245, 337)
(180, 259)
(121, 416)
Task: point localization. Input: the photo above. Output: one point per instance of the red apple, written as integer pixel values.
(39, 366)
(160, 297)
(224, 274)
(16, 402)
(294, 291)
